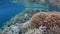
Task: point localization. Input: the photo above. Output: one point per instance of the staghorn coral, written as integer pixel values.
(51, 20)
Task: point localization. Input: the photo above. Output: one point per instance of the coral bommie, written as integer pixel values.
(51, 20)
(48, 19)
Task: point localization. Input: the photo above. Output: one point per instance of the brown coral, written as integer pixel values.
(37, 19)
(49, 20)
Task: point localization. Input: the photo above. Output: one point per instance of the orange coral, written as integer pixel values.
(48, 19)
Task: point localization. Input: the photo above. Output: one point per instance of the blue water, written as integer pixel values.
(9, 10)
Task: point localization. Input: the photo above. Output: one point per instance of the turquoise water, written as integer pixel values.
(9, 10)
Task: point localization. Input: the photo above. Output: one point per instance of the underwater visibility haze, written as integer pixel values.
(29, 16)
(9, 10)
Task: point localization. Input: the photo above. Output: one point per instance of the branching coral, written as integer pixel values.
(49, 19)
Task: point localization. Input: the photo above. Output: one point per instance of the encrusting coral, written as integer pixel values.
(51, 20)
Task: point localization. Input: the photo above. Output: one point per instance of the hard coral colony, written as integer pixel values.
(50, 20)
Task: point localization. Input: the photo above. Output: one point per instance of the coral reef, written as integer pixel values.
(40, 23)
(35, 1)
(11, 30)
(35, 19)
(24, 16)
(40, 30)
(55, 2)
(21, 17)
(16, 28)
(38, 19)
(51, 20)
